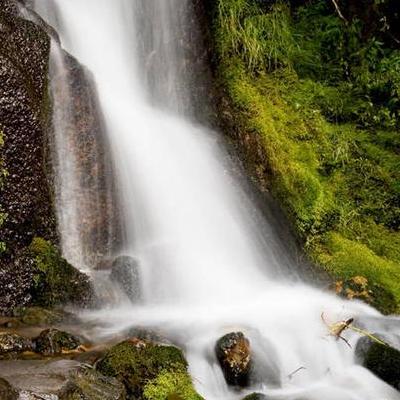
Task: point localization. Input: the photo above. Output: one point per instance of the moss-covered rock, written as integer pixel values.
(382, 360)
(7, 392)
(138, 363)
(52, 342)
(56, 282)
(12, 344)
(88, 384)
(39, 316)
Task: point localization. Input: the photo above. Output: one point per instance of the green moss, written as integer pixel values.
(138, 363)
(326, 120)
(171, 385)
(57, 282)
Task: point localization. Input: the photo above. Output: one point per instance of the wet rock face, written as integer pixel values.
(25, 195)
(12, 344)
(53, 342)
(381, 360)
(234, 356)
(125, 272)
(7, 392)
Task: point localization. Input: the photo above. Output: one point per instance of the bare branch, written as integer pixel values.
(339, 12)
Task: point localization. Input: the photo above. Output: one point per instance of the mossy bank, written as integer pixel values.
(313, 104)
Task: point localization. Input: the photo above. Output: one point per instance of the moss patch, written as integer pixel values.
(56, 282)
(321, 103)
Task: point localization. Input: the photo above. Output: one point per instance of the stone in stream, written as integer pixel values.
(7, 392)
(53, 342)
(255, 396)
(12, 344)
(382, 360)
(125, 272)
(234, 356)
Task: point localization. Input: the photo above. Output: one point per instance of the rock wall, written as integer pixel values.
(25, 195)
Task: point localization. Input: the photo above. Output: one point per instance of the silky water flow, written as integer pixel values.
(209, 263)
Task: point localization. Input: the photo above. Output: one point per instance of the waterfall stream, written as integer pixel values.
(209, 263)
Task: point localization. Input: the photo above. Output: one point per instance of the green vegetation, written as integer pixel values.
(149, 371)
(56, 282)
(324, 103)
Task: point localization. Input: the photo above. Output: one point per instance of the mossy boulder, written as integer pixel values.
(52, 342)
(7, 392)
(139, 363)
(57, 282)
(382, 360)
(12, 344)
(234, 356)
(89, 384)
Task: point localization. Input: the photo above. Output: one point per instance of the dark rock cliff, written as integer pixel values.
(25, 195)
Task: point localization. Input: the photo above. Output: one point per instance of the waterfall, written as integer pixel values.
(209, 263)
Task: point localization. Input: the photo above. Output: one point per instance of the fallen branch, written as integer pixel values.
(290, 376)
(339, 12)
(338, 328)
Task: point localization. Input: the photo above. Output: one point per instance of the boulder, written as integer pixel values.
(52, 342)
(12, 344)
(125, 272)
(234, 356)
(381, 360)
(89, 384)
(7, 392)
(138, 363)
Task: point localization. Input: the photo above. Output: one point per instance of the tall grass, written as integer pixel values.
(264, 41)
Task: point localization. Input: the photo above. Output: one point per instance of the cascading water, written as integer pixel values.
(206, 267)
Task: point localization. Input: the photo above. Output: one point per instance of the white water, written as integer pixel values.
(207, 269)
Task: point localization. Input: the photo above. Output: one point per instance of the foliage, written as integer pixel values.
(171, 385)
(326, 111)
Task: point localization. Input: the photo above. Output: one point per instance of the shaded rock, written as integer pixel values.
(12, 344)
(56, 282)
(125, 272)
(53, 342)
(381, 360)
(89, 384)
(234, 356)
(38, 377)
(255, 396)
(136, 362)
(7, 392)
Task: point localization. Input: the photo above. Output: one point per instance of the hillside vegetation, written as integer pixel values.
(321, 93)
